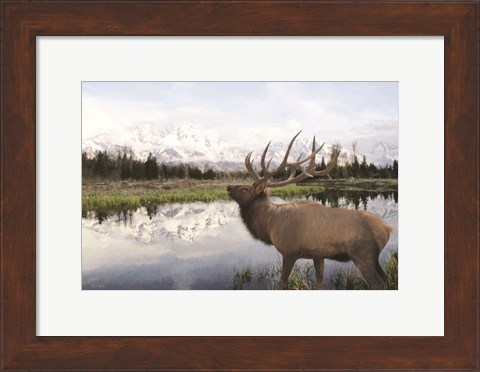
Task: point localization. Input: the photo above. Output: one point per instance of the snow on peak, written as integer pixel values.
(183, 142)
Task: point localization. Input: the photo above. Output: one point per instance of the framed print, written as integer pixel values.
(59, 63)
(198, 164)
(118, 252)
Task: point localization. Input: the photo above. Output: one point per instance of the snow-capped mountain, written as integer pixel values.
(169, 144)
(383, 152)
(185, 143)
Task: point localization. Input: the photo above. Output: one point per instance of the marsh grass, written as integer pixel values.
(347, 279)
(391, 269)
(267, 277)
(357, 184)
(303, 277)
(114, 197)
(108, 197)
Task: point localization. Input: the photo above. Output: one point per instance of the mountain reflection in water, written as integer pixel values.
(194, 245)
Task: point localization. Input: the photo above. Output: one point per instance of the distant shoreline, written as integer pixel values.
(107, 195)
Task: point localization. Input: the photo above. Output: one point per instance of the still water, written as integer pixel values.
(195, 245)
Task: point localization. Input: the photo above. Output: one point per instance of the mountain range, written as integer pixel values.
(186, 143)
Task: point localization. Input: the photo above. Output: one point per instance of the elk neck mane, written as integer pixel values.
(255, 216)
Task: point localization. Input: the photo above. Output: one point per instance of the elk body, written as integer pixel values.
(306, 229)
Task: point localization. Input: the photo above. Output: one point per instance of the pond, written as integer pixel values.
(197, 245)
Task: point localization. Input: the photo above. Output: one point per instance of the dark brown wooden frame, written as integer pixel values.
(22, 21)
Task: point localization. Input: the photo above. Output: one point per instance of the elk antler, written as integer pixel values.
(308, 172)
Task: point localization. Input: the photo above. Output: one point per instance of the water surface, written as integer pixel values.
(195, 245)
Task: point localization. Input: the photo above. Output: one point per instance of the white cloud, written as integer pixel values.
(249, 113)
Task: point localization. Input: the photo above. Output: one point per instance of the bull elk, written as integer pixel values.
(307, 229)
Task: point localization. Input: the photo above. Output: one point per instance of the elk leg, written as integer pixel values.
(368, 269)
(287, 266)
(370, 274)
(380, 271)
(319, 264)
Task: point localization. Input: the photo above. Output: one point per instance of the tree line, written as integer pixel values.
(356, 169)
(105, 166)
(127, 167)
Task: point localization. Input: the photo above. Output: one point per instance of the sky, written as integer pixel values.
(248, 112)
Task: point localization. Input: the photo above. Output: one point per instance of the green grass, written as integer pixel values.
(267, 277)
(391, 269)
(354, 184)
(242, 278)
(111, 197)
(347, 279)
(134, 201)
(303, 277)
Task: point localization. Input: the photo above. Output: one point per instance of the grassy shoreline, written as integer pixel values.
(353, 184)
(121, 195)
(303, 277)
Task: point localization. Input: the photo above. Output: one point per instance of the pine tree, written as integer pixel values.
(151, 167)
(100, 168)
(355, 167)
(364, 168)
(125, 172)
(395, 169)
(322, 164)
(209, 174)
(194, 172)
(372, 171)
